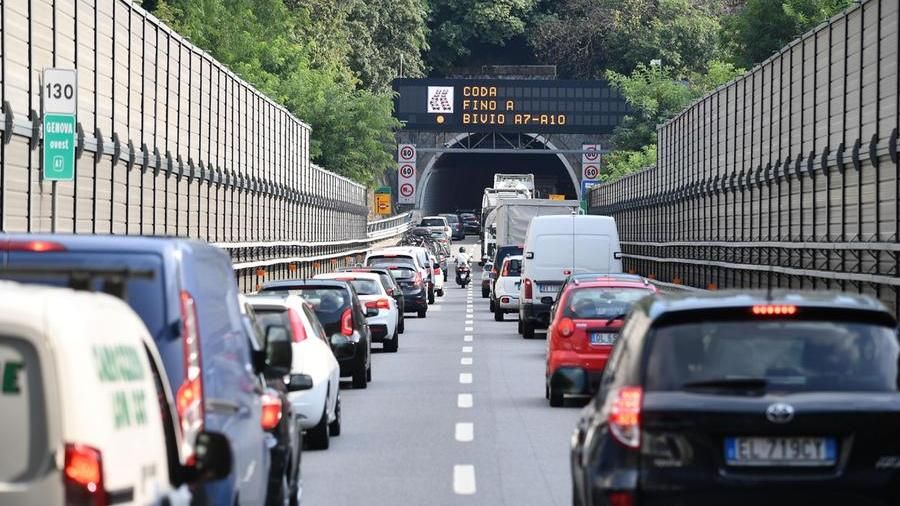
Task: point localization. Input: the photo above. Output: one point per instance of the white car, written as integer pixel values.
(85, 399)
(384, 326)
(437, 224)
(486, 280)
(506, 289)
(417, 254)
(320, 406)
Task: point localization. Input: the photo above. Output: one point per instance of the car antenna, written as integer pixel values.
(769, 285)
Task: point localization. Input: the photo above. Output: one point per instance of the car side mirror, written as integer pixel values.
(299, 382)
(213, 457)
(493, 275)
(371, 311)
(279, 353)
(341, 346)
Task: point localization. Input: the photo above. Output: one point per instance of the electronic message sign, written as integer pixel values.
(508, 105)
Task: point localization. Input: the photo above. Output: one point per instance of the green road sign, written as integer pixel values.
(59, 147)
(383, 189)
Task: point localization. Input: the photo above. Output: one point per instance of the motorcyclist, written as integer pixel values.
(462, 263)
(462, 258)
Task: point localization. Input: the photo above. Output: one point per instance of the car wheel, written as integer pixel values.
(491, 306)
(421, 313)
(431, 296)
(359, 378)
(335, 426)
(498, 314)
(391, 345)
(440, 293)
(519, 327)
(528, 330)
(576, 498)
(369, 374)
(318, 436)
(402, 327)
(546, 389)
(556, 397)
(485, 293)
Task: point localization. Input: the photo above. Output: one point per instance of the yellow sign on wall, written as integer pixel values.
(383, 203)
(554, 196)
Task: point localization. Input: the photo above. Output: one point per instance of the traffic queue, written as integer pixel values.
(699, 397)
(134, 372)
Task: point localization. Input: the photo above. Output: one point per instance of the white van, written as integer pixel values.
(556, 247)
(80, 397)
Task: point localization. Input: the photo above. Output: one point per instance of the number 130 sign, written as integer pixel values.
(60, 91)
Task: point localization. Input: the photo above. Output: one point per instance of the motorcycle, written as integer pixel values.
(463, 275)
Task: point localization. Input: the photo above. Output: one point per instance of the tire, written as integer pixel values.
(440, 293)
(485, 293)
(431, 295)
(359, 378)
(421, 313)
(546, 389)
(279, 496)
(556, 397)
(335, 427)
(519, 327)
(498, 314)
(491, 305)
(369, 374)
(402, 326)
(392, 345)
(318, 437)
(527, 330)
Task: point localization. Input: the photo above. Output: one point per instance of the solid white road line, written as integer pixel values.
(464, 479)
(465, 361)
(464, 401)
(465, 378)
(465, 432)
(467, 349)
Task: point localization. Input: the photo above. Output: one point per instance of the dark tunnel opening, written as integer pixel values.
(458, 180)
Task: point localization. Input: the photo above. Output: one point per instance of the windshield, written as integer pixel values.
(512, 268)
(432, 222)
(785, 355)
(601, 303)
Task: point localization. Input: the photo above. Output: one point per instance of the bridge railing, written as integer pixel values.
(786, 177)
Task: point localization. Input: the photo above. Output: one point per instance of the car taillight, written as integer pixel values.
(625, 416)
(418, 281)
(298, 331)
(347, 322)
(83, 476)
(620, 498)
(528, 288)
(271, 411)
(379, 304)
(32, 246)
(775, 310)
(566, 327)
(189, 398)
(438, 272)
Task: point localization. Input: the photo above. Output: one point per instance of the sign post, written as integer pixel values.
(406, 173)
(60, 105)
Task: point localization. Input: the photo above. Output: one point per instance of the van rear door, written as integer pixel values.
(593, 242)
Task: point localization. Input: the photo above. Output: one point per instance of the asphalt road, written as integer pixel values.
(449, 419)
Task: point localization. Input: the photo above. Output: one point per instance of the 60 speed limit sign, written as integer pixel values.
(407, 171)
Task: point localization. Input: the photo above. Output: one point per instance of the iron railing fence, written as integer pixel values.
(785, 177)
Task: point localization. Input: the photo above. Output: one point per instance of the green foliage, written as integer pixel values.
(763, 27)
(622, 163)
(457, 26)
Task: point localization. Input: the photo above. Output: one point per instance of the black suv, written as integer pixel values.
(341, 313)
(729, 398)
(390, 285)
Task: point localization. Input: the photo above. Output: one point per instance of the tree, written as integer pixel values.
(622, 163)
(459, 25)
(763, 27)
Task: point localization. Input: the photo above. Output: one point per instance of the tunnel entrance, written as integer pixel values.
(457, 179)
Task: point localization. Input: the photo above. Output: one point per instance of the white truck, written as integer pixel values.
(490, 201)
(515, 182)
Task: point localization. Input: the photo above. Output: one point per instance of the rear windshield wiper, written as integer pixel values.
(729, 384)
(614, 318)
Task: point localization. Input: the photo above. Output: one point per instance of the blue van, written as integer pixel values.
(186, 294)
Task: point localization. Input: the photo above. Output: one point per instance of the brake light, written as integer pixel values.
(625, 416)
(298, 330)
(620, 498)
(566, 327)
(271, 412)
(189, 399)
(32, 246)
(528, 288)
(438, 272)
(418, 281)
(347, 322)
(774, 310)
(83, 476)
(379, 304)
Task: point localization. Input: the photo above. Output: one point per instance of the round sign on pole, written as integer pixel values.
(591, 172)
(591, 154)
(407, 171)
(407, 152)
(406, 190)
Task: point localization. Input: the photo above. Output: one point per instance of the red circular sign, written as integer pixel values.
(591, 153)
(407, 153)
(406, 190)
(591, 172)
(407, 171)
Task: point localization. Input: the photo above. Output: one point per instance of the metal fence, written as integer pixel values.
(170, 142)
(785, 177)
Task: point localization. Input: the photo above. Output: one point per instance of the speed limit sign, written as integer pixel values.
(407, 171)
(590, 153)
(407, 190)
(406, 153)
(591, 172)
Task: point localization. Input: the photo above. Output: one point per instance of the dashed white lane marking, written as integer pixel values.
(467, 338)
(464, 401)
(470, 322)
(434, 307)
(465, 378)
(464, 479)
(465, 361)
(470, 329)
(465, 432)
(467, 349)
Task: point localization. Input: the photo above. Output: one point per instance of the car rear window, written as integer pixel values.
(388, 261)
(432, 222)
(786, 355)
(452, 219)
(267, 317)
(365, 286)
(402, 273)
(513, 268)
(321, 298)
(601, 303)
(24, 437)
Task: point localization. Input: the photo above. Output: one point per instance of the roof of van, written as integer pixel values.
(126, 243)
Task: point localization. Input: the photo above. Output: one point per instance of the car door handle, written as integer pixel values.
(224, 406)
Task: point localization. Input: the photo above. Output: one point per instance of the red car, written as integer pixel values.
(584, 326)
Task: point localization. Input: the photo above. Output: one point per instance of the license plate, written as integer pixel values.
(599, 338)
(780, 451)
(550, 288)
